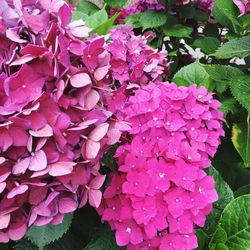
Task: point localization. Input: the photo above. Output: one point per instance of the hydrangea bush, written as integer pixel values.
(111, 120)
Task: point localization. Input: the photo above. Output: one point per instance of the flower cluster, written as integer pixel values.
(54, 124)
(133, 61)
(161, 191)
(244, 6)
(135, 8)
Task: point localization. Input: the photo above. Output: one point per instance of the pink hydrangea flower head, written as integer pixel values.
(174, 132)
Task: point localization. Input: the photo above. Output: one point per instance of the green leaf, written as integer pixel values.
(222, 75)
(152, 19)
(97, 18)
(116, 3)
(235, 221)
(134, 20)
(68, 242)
(242, 190)
(239, 47)
(207, 44)
(25, 244)
(188, 11)
(87, 7)
(240, 87)
(241, 140)
(104, 28)
(103, 239)
(193, 73)
(219, 237)
(42, 236)
(225, 196)
(177, 30)
(108, 158)
(77, 15)
(227, 105)
(226, 13)
(202, 239)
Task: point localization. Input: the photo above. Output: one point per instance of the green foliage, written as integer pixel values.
(25, 244)
(225, 196)
(116, 3)
(177, 30)
(226, 13)
(96, 19)
(239, 47)
(208, 45)
(218, 239)
(242, 190)
(134, 20)
(108, 159)
(233, 229)
(202, 239)
(240, 87)
(227, 105)
(152, 19)
(87, 7)
(77, 15)
(193, 73)
(42, 236)
(222, 75)
(104, 28)
(241, 140)
(102, 239)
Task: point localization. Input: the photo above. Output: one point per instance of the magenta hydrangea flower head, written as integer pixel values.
(54, 124)
(161, 167)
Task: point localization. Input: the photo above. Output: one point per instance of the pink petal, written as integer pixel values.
(80, 80)
(123, 126)
(122, 238)
(97, 182)
(100, 73)
(95, 198)
(91, 99)
(84, 199)
(22, 60)
(17, 190)
(38, 161)
(58, 219)
(61, 168)
(46, 131)
(67, 205)
(4, 221)
(2, 187)
(4, 238)
(65, 14)
(2, 160)
(13, 36)
(114, 135)
(91, 149)
(99, 132)
(21, 166)
(17, 233)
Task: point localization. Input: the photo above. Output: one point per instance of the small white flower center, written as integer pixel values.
(128, 230)
(200, 190)
(161, 175)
